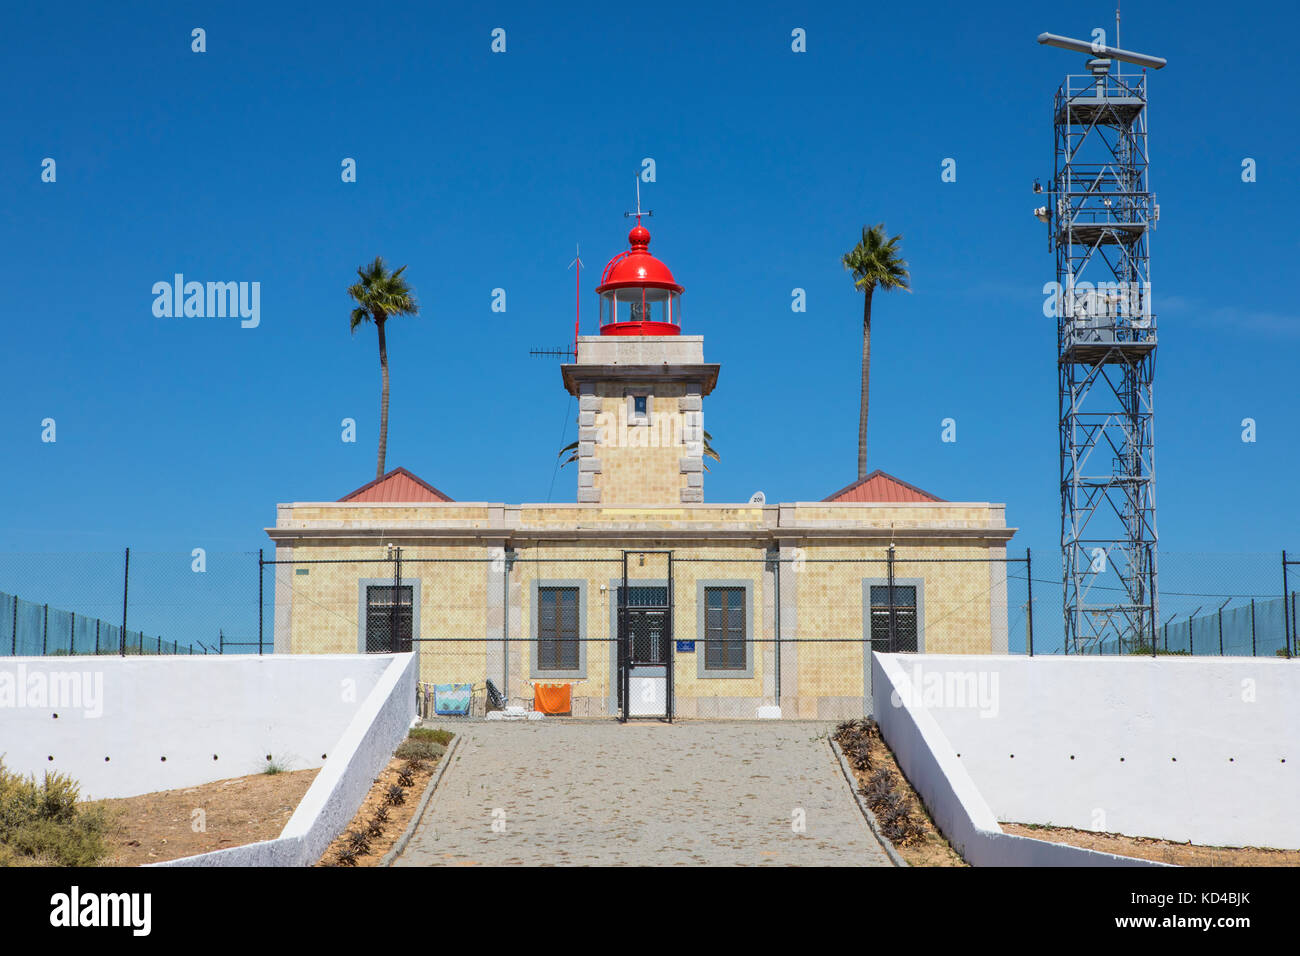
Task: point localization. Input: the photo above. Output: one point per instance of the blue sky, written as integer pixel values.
(483, 170)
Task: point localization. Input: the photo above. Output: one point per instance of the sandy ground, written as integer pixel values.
(1162, 851)
(170, 824)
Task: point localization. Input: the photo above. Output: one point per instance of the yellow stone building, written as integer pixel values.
(641, 599)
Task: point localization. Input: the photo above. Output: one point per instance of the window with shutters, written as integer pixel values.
(388, 618)
(725, 631)
(905, 618)
(557, 629)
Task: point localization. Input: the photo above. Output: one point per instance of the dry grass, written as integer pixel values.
(1161, 851)
(899, 811)
(43, 822)
(392, 801)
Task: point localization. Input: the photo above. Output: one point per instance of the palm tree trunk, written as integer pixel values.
(383, 401)
(866, 383)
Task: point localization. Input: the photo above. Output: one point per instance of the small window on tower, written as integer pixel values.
(638, 407)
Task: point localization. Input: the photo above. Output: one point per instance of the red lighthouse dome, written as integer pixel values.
(638, 294)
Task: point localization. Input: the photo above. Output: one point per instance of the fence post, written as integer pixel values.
(1252, 627)
(221, 641)
(1029, 602)
(126, 585)
(893, 633)
(259, 600)
(1151, 596)
(72, 635)
(45, 632)
(1221, 626)
(394, 639)
(1286, 611)
(14, 634)
(509, 555)
(97, 623)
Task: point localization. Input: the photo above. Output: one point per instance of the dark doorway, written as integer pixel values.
(645, 649)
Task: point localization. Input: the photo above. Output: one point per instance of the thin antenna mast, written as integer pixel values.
(577, 297)
(1119, 64)
(638, 213)
(577, 315)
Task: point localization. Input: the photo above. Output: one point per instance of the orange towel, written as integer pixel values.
(553, 698)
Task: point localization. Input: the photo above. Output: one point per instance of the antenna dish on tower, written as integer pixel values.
(1101, 50)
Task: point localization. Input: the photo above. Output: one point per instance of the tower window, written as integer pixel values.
(638, 407)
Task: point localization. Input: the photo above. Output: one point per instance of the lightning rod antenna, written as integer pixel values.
(577, 298)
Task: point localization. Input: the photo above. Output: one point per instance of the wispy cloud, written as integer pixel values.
(1233, 318)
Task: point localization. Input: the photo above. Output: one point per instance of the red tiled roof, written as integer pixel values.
(399, 485)
(879, 486)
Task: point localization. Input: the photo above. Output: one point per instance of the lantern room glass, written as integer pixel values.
(641, 304)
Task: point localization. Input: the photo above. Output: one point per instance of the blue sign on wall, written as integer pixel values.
(685, 647)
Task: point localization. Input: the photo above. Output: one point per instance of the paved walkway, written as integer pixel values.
(643, 794)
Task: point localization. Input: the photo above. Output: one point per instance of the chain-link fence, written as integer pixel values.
(129, 602)
(1206, 603)
(688, 632)
(742, 627)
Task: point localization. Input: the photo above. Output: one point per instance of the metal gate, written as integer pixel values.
(645, 631)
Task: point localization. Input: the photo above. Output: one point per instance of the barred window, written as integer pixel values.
(904, 617)
(724, 629)
(557, 629)
(382, 616)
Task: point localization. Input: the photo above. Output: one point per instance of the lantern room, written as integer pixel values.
(638, 294)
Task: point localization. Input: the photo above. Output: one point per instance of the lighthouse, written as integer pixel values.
(640, 385)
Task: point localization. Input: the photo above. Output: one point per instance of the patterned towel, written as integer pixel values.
(452, 699)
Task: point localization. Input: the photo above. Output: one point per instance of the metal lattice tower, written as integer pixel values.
(1100, 216)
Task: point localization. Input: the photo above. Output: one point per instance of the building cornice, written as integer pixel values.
(739, 522)
(342, 531)
(705, 374)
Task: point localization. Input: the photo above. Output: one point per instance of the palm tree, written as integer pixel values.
(874, 262)
(378, 295)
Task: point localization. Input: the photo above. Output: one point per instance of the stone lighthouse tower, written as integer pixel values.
(640, 385)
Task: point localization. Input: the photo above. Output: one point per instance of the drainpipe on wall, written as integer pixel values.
(775, 555)
(510, 554)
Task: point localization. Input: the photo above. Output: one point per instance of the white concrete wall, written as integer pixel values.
(1199, 749)
(187, 709)
(331, 802)
(939, 776)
